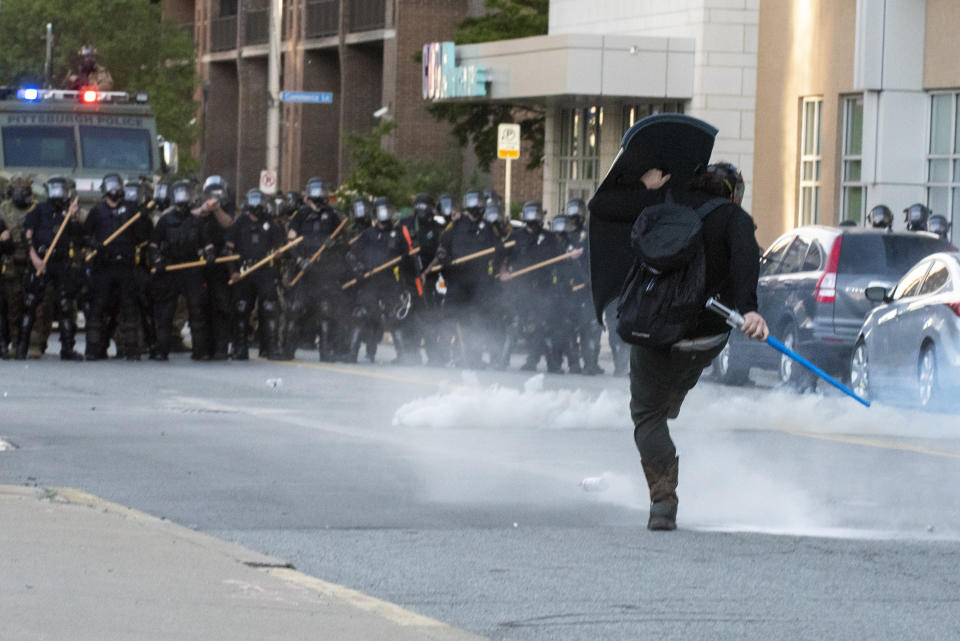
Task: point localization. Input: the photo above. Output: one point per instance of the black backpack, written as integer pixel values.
(665, 291)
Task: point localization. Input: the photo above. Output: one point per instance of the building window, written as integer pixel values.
(633, 113)
(579, 162)
(810, 159)
(853, 192)
(943, 161)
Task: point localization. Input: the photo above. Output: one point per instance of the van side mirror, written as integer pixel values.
(169, 157)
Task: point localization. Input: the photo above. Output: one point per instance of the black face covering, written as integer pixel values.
(535, 226)
(21, 198)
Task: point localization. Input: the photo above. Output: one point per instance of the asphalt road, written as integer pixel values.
(460, 496)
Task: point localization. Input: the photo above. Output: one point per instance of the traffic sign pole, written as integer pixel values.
(506, 188)
(508, 148)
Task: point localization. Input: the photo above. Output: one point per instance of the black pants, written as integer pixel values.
(112, 294)
(659, 381)
(219, 309)
(66, 283)
(168, 287)
(259, 288)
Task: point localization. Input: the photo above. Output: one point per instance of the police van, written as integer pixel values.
(81, 135)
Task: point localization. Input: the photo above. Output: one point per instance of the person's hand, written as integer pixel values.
(755, 327)
(74, 206)
(654, 179)
(576, 253)
(5, 236)
(234, 278)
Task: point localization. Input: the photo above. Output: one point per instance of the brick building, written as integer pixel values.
(361, 50)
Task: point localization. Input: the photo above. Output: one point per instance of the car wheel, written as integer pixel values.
(860, 371)
(927, 376)
(793, 374)
(728, 369)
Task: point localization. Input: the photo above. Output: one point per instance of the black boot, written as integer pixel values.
(270, 317)
(662, 479)
(23, 336)
(353, 348)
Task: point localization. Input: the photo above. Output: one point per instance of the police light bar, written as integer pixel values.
(29, 94)
(86, 95)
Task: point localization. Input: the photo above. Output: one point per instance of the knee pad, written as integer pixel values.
(270, 306)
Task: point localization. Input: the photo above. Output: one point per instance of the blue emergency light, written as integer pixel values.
(30, 94)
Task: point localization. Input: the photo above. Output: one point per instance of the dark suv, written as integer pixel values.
(811, 293)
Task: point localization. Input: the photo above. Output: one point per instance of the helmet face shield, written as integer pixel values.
(56, 190)
(181, 195)
(254, 198)
(112, 186)
(559, 224)
(317, 191)
(384, 212)
(531, 212)
(492, 213)
(360, 209)
(131, 193)
(446, 206)
(471, 200)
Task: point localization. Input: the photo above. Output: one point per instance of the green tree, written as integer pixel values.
(142, 51)
(476, 123)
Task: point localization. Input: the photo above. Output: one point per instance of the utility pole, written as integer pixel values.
(48, 62)
(273, 86)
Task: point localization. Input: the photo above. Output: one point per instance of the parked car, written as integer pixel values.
(909, 346)
(811, 293)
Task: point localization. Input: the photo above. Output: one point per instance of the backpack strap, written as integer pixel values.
(711, 205)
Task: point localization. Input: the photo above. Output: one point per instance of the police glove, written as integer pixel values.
(210, 255)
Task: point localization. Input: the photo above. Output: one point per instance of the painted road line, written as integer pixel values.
(869, 442)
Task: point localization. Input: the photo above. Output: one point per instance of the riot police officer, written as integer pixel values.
(52, 264)
(220, 206)
(6, 247)
(113, 279)
(587, 329)
(381, 301)
(916, 217)
(312, 302)
(254, 235)
(939, 225)
(15, 260)
(423, 231)
(881, 217)
(181, 236)
(447, 208)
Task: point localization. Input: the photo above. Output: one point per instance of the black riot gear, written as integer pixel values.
(218, 188)
(60, 191)
(532, 214)
(939, 225)
(112, 187)
(162, 196)
(292, 203)
(183, 195)
(361, 212)
(473, 202)
(446, 206)
(424, 206)
(20, 191)
(317, 191)
(916, 217)
(493, 211)
(881, 217)
(133, 194)
(561, 225)
(576, 213)
(257, 204)
(384, 211)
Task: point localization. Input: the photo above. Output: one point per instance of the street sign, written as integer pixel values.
(508, 141)
(312, 97)
(268, 182)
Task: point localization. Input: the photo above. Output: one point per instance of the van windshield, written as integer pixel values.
(116, 148)
(39, 146)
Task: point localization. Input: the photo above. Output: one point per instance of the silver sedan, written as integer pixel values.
(909, 345)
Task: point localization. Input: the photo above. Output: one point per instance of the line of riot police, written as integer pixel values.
(462, 286)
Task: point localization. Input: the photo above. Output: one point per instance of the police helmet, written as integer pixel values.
(112, 187)
(916, 217)
(532, 212)
(258, 204)
(132, 193)
(361, 210)
(162, 195)
(183, 194)
(561, 224)
(473, 201)
(292, 201)
(446, 206)
(939, 225)
(20, 191)
(60, 191)
(493, 211)
(217, 187)
(317, 191)
(880, 217)
(424, 206)
(384, 210)
(576, 213)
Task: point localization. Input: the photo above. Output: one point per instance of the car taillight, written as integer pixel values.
(955, 307)
(826, 291)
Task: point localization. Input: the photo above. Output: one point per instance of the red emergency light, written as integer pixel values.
(88, 96)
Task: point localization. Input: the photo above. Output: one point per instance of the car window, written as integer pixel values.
(814, 260)
(909, 285)
(770, 262)
(938, 277)
(886, 255)
(793, 259)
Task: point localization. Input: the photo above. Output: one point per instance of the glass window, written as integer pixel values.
(814, 260)
(633, 113)
(771, 259)
(938, 277)
(579, 161)
(853, 190)
(32, 146)
(909, 285)
(810, 160)
(793, 259)
(943, 160)
(116, 148)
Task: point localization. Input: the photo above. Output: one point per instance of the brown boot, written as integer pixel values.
(662, 480)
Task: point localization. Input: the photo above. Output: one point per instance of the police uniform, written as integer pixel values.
(425, 319)
(380, 298)
(14, 261)
(254, 239)
(179, 237)
(6, 246)
(42, 224)
(312, 302)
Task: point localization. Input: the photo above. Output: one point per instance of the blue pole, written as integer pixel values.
(734, 319)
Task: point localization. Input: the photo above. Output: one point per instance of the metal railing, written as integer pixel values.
(223, 33)
(366, 15)
(323, 18)
(256, 27)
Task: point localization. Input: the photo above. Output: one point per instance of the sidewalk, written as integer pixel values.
(76, 568)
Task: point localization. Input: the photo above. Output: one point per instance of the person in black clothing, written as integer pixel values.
(424, 232)
(381, 302)
(255, 234)
(311, 303)
(661, 377)
(6, 248)
(182, 235)
(113, 279)
(587, 330)
(40, 228)
(221, 208)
